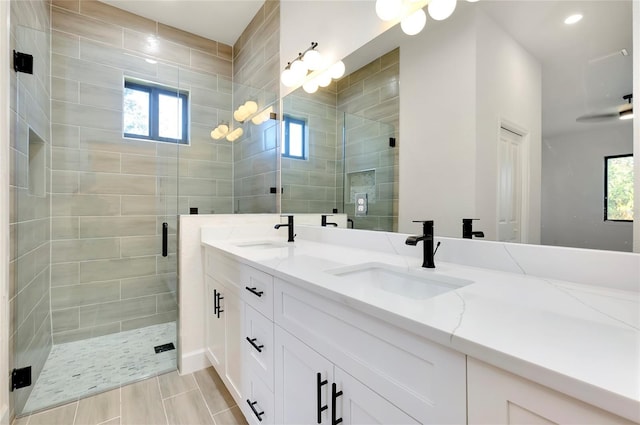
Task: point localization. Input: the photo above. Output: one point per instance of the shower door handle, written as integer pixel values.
(165, 233)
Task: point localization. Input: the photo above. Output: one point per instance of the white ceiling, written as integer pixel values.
(219, 20)
(583, 70)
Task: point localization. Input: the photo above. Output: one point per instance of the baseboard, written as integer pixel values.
(193, 362)
(4, 415)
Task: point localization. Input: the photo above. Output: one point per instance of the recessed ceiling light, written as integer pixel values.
(151, 61)
(573, 19)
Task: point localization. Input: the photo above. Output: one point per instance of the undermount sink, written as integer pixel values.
(410, 283)
(262, 244)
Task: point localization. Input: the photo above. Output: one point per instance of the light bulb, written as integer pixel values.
(313, 60)
(251, 107)
(237, 115)
(414, 23)
(441, 9)
(299, 69)
(310, 86)
(324, 79)
(337, 70)
(388, 9)
(257, 120)
(288, 78)
(235, 134)
(215, 134)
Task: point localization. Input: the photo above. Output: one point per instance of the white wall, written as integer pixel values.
(509, 91)
(573, 189)
(438, 125)
(4, 209)
(459, 80)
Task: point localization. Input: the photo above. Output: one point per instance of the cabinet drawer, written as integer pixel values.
(258, 346)
(425, 380)
(257, 290)
(257, 402)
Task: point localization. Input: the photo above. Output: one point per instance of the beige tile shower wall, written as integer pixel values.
(110, 195)
(372, 93)
(30, 215)
(310, 185)
(256, 77)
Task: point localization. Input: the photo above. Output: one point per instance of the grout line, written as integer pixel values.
(164, 408)
(205, 401)
(75, 413)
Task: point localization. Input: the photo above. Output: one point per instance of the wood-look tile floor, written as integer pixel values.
(196, 399)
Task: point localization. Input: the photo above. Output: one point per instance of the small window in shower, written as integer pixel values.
(155, 112)
(295, 138)
(37, 163)
(618, 188)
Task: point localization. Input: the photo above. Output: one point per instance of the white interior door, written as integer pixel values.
(510, 186)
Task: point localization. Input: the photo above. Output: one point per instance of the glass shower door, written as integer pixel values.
(370, 173)
(96, 248)
(30, 214)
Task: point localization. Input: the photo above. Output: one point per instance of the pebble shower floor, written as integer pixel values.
(81, 368)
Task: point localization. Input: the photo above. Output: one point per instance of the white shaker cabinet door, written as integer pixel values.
(303, 382)
(498, 397)
(215, 325)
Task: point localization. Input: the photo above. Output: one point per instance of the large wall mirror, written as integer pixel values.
(554, 72)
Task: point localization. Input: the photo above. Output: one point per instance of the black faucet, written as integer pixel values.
(290, 227)
(427, 238)
(467, 229)
(324, 223)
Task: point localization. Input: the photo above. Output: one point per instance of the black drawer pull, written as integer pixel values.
(321, 408)
(254, 291)
(255, 412)
(334, 396)
(252, 341)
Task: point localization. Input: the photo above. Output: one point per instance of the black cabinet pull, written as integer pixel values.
(321, 408)
(334, 396)
(215, 302)
(254, 291)
(219, 297)
(252, 341)
(255, 412)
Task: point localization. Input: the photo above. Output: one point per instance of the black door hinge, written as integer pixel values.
(22, 62)
(20, 378)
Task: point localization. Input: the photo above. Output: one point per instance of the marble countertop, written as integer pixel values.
(578, 339)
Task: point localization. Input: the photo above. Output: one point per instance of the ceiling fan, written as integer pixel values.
(623, 112)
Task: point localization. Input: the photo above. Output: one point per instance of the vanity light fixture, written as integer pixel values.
(220, 131)
(235, 134)
(570, 20)
(310, 63)
(296, 71)
(264, 116)
(245, 111)
(411, 13)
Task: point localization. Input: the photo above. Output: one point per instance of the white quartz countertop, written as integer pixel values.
(578, 339)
